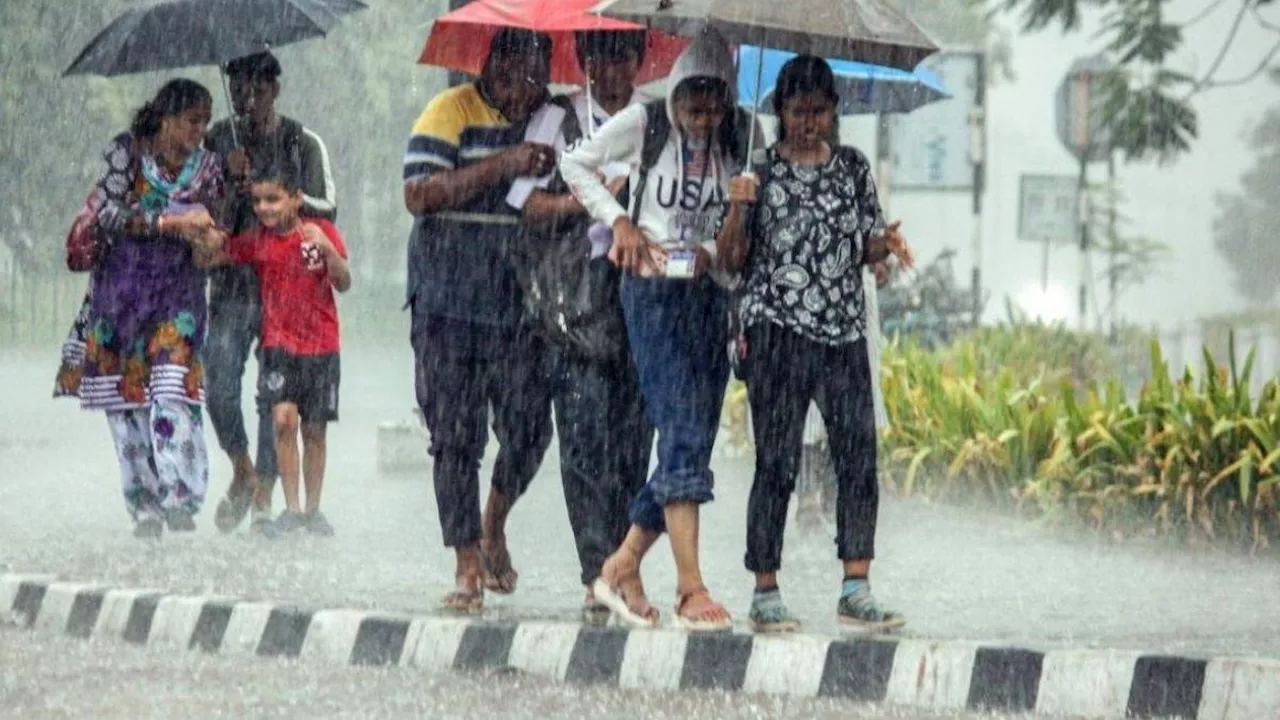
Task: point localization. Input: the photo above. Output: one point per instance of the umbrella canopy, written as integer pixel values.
(871, 31)
(186, 33)
(864, 89)
(459, 40)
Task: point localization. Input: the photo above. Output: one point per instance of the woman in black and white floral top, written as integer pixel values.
(804, 232)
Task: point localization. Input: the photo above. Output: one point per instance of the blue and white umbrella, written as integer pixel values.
(864, 89)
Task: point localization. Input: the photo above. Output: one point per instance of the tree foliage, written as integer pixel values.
(1133, 258)
(1147, 104)
(1248, 221)
(50, 128)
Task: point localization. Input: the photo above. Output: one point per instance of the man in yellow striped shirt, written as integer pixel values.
(474, 352)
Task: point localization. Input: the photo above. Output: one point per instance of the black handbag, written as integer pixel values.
(573, 300)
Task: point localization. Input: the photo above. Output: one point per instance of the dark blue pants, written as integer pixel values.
(678, 332)
(234, 324)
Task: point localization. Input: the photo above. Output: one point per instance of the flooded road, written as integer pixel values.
(956, 574)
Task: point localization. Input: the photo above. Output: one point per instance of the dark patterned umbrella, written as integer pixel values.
(186, 33)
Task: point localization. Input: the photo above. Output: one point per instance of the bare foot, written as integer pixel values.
(499, 575)
(465, 601)
(467, 596)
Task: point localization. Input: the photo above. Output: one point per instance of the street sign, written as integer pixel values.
(931, 147)
(1048, 208)
(1079, 100)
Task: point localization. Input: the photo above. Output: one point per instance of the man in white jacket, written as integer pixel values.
(674, 302)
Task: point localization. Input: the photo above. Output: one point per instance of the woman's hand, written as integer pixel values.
(630, 250)
(189, 225)
(743, 189)
(897, 245)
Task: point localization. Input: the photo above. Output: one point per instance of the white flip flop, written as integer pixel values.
(613, 600)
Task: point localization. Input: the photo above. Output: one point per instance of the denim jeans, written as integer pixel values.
(234, 324)
(678, 332)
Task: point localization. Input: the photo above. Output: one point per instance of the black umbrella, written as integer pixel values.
(186, 33)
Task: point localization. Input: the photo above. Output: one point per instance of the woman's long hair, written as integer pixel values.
(800, 76)
(176, 97)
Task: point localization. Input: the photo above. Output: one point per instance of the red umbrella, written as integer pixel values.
(459, 40)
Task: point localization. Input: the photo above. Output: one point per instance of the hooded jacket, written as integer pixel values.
(675, 202)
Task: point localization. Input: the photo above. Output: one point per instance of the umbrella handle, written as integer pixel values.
(755, 112)
(226, 89)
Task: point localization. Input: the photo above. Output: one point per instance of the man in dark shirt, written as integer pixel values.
(475, 353)
(256, 136)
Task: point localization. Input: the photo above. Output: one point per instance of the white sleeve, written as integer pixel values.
(618, 140)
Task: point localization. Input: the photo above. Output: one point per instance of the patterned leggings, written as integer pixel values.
(163, 461)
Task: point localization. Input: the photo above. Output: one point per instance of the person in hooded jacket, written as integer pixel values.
(675, 304)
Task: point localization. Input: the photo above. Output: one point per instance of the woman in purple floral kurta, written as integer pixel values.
(145, 320)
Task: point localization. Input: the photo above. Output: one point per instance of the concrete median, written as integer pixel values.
(937, 676)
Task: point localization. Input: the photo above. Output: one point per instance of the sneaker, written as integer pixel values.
(232, 509)
(860, 611)
(285, 524)
(148, 529)
(180, 520)
(318, 524)
(770, 615)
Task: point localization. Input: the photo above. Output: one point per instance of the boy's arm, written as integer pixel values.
(326, 238)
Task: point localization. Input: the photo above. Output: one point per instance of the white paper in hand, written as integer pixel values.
(544, 128)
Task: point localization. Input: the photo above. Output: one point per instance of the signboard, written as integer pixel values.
(1079, 103)
(930, 148)
(1048, 208)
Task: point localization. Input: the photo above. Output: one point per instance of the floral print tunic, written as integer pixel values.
(145, 321)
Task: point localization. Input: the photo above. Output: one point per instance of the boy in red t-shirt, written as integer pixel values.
(299, 262)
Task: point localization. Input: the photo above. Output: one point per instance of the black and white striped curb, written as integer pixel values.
(935, 675)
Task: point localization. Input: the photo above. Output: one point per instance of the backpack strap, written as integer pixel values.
(291, 142)
(657, 129)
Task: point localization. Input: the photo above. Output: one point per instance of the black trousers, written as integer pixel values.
(605, 445)
(787, 371)
(464, 372)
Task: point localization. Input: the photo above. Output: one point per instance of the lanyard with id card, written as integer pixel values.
(682, 262)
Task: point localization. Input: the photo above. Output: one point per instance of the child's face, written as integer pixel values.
(699, 115)
(275, 206)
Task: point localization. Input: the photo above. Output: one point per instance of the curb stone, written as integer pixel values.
(937, 676)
